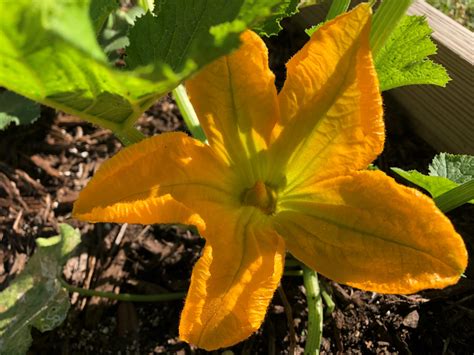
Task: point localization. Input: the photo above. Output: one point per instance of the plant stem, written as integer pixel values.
(315, 311)
(337, 8)
(455, 197)
(290, 262)
(293, 273)
(123, 296)
(330, 305)
(385, 20)
(189, 115)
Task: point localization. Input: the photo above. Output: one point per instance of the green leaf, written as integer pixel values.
(386, 19)
(114, 34)
(434, 185)
(449, 181)
(191, 33)
(147, 5)
(272, 26)
(458, 168)
(403, 59)
(337, 8)
(456, 197)
(99, 11)
(312, 29)
(35, 298)
(45, 58)
(49, 53)
(17, 109)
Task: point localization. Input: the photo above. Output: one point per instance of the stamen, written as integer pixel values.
(261, 196)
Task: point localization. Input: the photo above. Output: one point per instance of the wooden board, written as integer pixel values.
(444, 117)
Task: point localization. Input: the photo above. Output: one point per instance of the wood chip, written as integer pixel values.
(44, 164)
(411, 320)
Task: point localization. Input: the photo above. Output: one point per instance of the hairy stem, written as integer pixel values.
(337, 7)
(315, 311)
(384, 22)
(189, 115)
(293, 273)
(330, 305)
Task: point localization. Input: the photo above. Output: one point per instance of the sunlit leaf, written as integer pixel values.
(435, 185)
(272, 26)
(49, 53)
(43, 58)
(147, 5)
(403, 59)
(446, 172)
(187, 33)
(458, 168)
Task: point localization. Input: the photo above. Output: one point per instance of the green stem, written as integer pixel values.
(385, 20)
(293, 273)
(123, 296)
(315, 311)
(290, 262)
(455, 197)
(189, 115)
(330, 305)
(129, 136)
(337, 7)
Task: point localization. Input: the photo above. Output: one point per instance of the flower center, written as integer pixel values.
(261, 196)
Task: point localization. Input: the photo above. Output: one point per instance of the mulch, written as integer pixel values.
(44, 166)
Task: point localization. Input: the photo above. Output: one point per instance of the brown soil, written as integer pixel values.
(44, 165)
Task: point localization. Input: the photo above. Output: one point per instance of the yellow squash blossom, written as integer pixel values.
(281, 171)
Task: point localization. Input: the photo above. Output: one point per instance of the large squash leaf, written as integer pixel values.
(49, 52)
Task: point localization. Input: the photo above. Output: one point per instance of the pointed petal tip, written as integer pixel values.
(159, 180)
(163, 209)
(216, 342)
(231, 288)
(334, 71)
(410, 286)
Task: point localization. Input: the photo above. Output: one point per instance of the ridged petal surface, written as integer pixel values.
(233, 281)
(367, 231)
(236, 101)
(163, 179)
(331, 108)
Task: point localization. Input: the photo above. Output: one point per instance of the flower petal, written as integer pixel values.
(331, 108)
(162, 179)
(236, 101)
(367, 231)
(233, 281)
